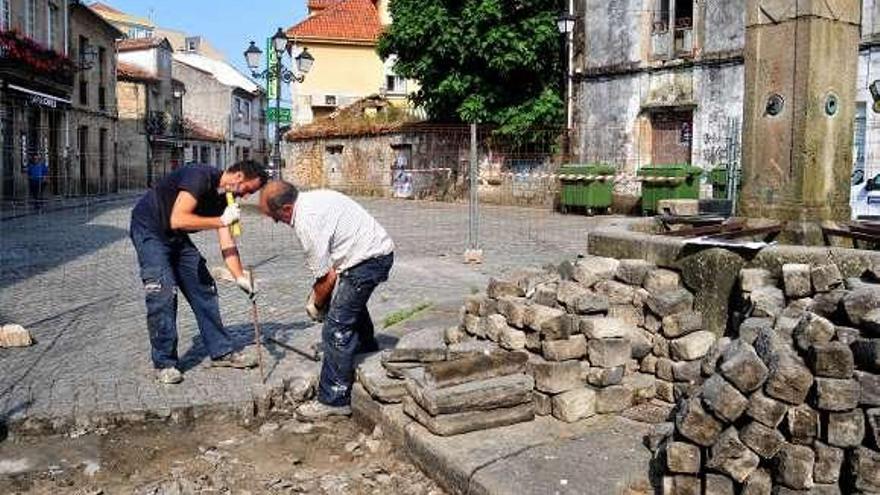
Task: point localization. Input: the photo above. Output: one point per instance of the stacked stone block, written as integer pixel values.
(790, 404)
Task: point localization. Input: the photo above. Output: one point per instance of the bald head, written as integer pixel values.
(277, 200)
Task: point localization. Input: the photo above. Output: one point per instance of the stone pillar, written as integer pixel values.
(800, 88)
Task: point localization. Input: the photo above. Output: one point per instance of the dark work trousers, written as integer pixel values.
(166, 265)
(348, 328)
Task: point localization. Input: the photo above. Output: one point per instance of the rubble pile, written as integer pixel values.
(792, 404)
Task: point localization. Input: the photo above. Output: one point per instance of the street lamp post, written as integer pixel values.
(281, 73)
(565, 24)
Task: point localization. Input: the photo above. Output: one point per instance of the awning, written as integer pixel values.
(39, 98)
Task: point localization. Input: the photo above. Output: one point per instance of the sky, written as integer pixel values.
(228, 24)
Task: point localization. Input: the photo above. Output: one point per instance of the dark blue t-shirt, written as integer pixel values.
(154, 208)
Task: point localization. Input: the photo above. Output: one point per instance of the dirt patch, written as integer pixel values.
(280, 456)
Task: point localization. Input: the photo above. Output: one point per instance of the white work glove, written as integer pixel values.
(245, 284)
(230, 215)
(312, 310)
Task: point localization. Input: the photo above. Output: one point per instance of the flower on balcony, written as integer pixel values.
(17, 47)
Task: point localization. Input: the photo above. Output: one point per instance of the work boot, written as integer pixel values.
(316, 411)
(169, 376)
(236, 359)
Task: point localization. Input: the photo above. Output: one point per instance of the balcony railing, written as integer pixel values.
(164, 124)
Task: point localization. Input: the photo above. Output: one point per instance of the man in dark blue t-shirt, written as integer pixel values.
(190, 199)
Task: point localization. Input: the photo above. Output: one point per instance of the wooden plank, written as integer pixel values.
(856, 236)
(708, 230)
(771, 231)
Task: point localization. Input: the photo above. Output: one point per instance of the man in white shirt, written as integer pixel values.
(345, 248)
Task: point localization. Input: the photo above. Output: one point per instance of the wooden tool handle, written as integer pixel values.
(236, 226)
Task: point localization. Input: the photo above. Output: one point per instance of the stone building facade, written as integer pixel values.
(92, 163)
(662, 81)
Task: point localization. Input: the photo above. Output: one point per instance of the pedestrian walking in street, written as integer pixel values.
(37, 172)
(190, 199)
(345, 248)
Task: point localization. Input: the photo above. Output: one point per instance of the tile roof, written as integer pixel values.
(130, 72)
(344, 20)
(197, 132)
(320, 4)
(132, 44)
(116, 15)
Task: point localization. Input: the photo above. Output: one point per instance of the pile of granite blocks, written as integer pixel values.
(792, 404)
(602, 335)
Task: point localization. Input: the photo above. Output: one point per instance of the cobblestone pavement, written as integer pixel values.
(70, 276)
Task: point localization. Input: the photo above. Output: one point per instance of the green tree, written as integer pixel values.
(495, 62)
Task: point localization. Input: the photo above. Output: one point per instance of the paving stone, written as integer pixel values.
(616, 292)
(723, 399)
(474, 367)
(859, 302)
(789, 319)
(550, 322)
(832, 360)
(687, 371)
(653, 324)
(471, 348)
(670, 302)
(794, 467)
(847, 335)
(545, 295)
(662, 280)
(528, 279)
(641, 342)
(454, 335)
(827, 304)
(605, 328)
(691, 347)
(12, 335)
(763, 440)
(649, 364)
(796, 279)
(813, 330)
(730, 456)
(767, 301)
(665, 391)
(454, 424)
(872, 424)
(534, 342)
(555, 377)
(749, 328)
(512, 339)
(514, 309)
(682, 485)
(697, 425)
(803, 424)
(472, 303)
(829, 460)
(684, 390)
(605, 377)
(679, 324)
(866, 354)
(846, 429)
(371, 374)
(640, 298)
(543, 403)
(709, 363)
(683, 458)
(755, 278)
(643, 387)
(613, 399)
(574, 405)
(628, 313)
(661, 346)
(609, 353)
(865, 470)
(592, 269)
(633, 271)
(581, 300)
(494, 326)
(503, 288)
(743, 368)
(759, 483)
(765, 410)
(423, 346)
(789, 380)
(834, 394)
(770, 343)
(826, 277)
(575, 347)
(870, 388)
(718, 484)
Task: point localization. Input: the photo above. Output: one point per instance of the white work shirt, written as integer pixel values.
(336, 232)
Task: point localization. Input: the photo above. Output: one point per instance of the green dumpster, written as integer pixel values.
(678, 181)
(586, 187)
